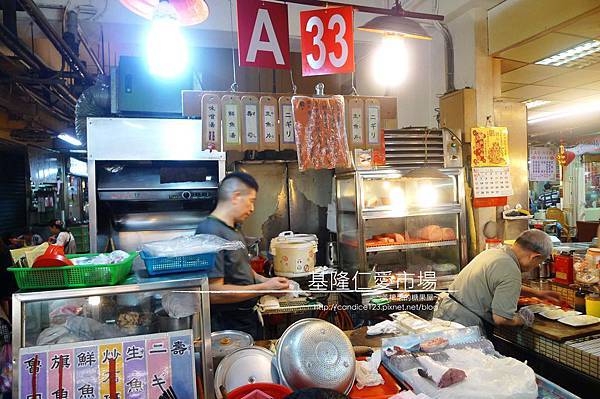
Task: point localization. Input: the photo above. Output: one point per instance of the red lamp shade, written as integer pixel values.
(189, 12)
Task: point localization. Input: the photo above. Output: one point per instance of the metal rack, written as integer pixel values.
(403, 247)
(196, 284)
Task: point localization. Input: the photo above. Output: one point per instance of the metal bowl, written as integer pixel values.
(313, 353)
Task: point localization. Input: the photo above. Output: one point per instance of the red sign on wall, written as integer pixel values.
(327, 41)
(263, 37)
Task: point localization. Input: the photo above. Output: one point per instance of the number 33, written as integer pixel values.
(337, 62)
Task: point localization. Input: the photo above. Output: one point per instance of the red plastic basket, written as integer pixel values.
(273, 390)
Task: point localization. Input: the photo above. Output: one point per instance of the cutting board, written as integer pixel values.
(560, 332)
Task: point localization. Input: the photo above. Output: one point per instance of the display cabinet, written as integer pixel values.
(133, 308)
(389, 222)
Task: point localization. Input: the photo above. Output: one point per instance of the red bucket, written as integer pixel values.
(272, 390)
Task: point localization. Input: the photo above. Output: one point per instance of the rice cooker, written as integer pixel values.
(294, 254)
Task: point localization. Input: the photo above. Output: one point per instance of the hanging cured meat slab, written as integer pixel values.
(320, 128)
(269, 131)
(250, 123)
(373, 123)
(286, 116)
(231, 122)
(355, 124)
(211, 122)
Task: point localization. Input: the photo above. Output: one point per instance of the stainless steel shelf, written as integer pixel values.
(383, 213)
(387, 248)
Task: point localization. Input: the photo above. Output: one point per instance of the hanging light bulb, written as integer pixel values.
(390, 61)
(166, 47)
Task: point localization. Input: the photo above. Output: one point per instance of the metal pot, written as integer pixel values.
(545, 269)
(315, 353)
(166, 323)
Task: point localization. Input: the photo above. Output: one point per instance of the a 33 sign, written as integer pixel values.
(327, 37)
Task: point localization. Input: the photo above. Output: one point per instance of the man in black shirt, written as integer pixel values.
(233, 309)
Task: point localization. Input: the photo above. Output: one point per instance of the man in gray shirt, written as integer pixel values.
(233, 308)
(487, 289)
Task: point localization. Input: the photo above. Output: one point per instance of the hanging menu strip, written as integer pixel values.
(357, 126)
(373, 124)
(232, 127)
(251, 123)
(287, 124)
(270, 124)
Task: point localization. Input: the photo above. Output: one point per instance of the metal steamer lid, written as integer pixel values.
(315, 353)
(226, 341)
(245, 366)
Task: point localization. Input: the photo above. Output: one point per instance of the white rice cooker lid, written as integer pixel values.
(288, 239)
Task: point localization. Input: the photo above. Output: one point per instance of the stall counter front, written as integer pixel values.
(114, 315)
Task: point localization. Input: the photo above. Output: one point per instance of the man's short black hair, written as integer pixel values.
(237, 181)
(245, 178)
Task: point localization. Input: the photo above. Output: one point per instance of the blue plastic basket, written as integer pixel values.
(179, 264)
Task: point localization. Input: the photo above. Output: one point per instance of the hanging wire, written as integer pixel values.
(294, 87)
(234, 85)
(354, 91)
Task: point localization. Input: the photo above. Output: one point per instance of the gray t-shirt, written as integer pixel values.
(489, 284)
(232, 266)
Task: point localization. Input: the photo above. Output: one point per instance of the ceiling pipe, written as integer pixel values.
(372, 10)
(9, 14)
(86, 46)
(63, 48)
(57, 113)
(21, 50)
(449, 50)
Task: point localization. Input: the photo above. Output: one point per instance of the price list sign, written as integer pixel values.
(542, 164)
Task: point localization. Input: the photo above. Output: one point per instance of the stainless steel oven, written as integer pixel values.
(149, 179)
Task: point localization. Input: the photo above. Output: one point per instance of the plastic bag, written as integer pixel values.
(102, 259)
(60, 314)
(89, 329)
(54, 335)
(384, 327)
(190, 245)
(320, 128)
(181, 304)
(499, 378)
(409, 395)
(366, 371)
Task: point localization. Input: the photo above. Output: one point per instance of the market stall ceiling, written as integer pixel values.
(545, 29)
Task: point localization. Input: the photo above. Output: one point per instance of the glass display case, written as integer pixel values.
(136, 307)
(389, 222)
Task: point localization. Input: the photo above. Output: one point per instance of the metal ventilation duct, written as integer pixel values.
(413, 147)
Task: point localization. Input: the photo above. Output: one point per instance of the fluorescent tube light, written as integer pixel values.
(567, 57)
(69, 139)
(535, 103)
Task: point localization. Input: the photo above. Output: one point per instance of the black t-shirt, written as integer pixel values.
(232, 266)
